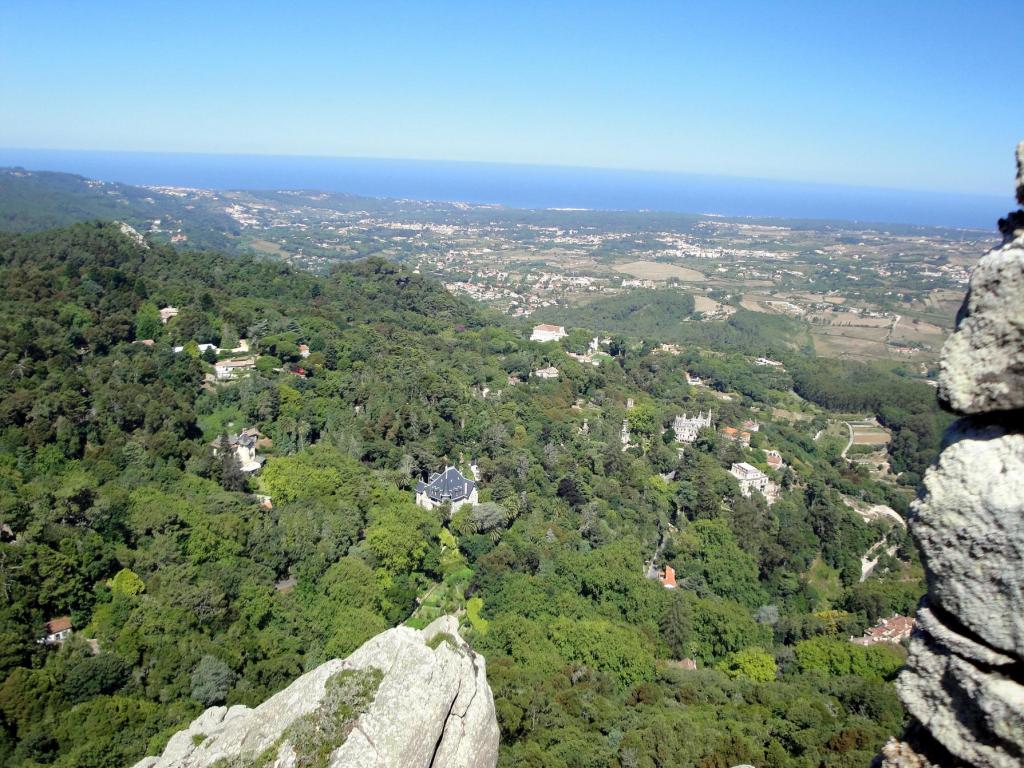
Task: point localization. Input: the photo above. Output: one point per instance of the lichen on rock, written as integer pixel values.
(401, 699)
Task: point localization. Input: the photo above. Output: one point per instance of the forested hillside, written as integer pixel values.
(189, 582)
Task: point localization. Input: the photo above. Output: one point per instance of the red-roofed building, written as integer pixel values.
(774, 459)
(668, 578)
(57, 631)
(895, 630)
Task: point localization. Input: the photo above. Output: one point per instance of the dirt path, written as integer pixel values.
(652, 565)
(867, 563)
(849, 443)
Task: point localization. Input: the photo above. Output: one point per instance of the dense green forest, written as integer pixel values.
(636, 312)
(186, 588)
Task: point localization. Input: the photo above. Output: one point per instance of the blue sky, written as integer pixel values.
(905, 94)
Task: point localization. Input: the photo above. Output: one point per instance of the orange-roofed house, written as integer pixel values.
(736, 435)
(774, 460)
(57, 631)
(668, 578)
(894, 630)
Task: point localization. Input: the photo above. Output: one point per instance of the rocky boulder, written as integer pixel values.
(963, 683)
(406, 698)
(982, 368)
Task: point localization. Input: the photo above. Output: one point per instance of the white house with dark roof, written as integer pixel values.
(448, 487)
(244, 447)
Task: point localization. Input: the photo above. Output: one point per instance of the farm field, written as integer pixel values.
(870, 434)
(653, 270)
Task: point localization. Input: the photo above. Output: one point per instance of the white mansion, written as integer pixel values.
(750, 478)
(686, 428)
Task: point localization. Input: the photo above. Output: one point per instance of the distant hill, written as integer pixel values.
(33, 201)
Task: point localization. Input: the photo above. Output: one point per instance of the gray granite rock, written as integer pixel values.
(976, 713)
(963, 682)
(982, 367)
(432, 708)
(970, 528)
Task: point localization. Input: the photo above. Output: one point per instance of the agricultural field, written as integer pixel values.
(657, 271)
(868, 433)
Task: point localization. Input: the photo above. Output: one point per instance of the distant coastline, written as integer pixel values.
(525, 186)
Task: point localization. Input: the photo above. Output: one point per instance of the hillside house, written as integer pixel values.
(227, 370)
(57, 631)
(448, 487)
(686, 427)
(167, 313)
(736, 436)
(751, 426)
(668, 577)
(774, 459)
(750, 478)
(895, 630)
(546, 373)
(545, 332)
(244, 445)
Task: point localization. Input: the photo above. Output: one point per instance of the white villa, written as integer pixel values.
(687, 427)
(750, 478)
(167, 313)
(448, 487)
(545, 332)
(229, 369)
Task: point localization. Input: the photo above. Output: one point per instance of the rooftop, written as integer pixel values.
(450, 485)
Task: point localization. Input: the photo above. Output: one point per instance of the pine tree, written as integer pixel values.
(676, 625)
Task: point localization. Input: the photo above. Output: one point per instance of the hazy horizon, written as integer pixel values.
(522, 185)
(874, 95)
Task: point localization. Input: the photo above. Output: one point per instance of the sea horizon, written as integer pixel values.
(526, 186)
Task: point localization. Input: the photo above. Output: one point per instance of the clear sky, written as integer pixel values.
(898, 93)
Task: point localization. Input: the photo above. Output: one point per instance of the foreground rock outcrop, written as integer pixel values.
(404, 699)
(964, 679)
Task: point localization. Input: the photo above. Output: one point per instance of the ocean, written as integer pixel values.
(526, 186)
